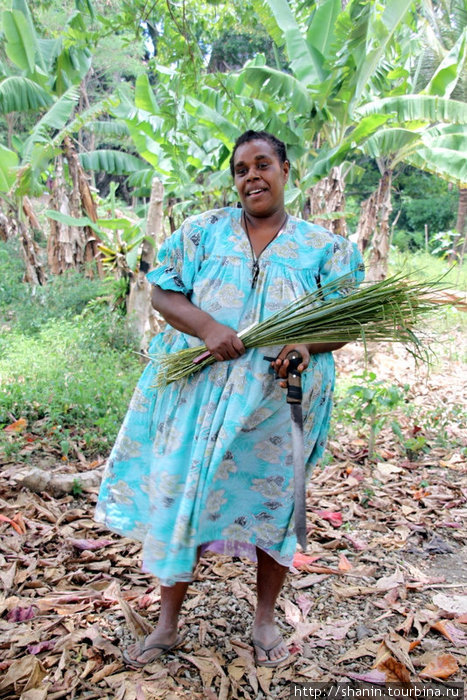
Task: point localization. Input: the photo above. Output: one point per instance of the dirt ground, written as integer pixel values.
(379, 596)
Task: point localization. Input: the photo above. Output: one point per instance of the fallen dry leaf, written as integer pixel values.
(451, 632)
(344, 563)
(17, 523)
(335, 518)
(300, 560)
(456, 604)
(25, 674)
(442, 666)
(17, 426)
(374, 676)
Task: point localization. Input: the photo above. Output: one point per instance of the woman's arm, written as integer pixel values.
(222, 342)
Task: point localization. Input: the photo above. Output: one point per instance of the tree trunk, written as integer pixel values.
(328, 197)
(34, 271)
(83, 202)
(144, 321)
(460, 241)
(6, 228)
(378, 266)
(65, 245)
(367, 221)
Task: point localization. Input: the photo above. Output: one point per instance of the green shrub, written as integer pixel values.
(29, 308)
(73, 375)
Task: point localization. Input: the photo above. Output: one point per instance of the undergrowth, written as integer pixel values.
(67, 362)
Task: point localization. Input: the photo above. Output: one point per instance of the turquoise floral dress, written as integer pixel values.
(207, 461)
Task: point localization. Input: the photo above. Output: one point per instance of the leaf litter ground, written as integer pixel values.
(381, 593)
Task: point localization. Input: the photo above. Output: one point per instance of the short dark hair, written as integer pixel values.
(250, 135)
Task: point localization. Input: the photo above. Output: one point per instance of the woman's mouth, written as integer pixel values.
(256, 193)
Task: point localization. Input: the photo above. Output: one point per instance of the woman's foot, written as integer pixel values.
(151, 647)
(270, 648)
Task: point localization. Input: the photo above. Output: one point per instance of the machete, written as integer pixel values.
(294, 399)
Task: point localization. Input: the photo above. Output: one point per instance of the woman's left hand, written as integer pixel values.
(281, 363)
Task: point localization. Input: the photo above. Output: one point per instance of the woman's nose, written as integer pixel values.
(252, 174)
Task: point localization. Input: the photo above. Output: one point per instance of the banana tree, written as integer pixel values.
(335, 58)
(429, 146)
(341, 62)
(442, 70)
(42, 78)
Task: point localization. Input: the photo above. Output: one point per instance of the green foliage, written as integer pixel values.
(65, 359)
(76, 487)
(73, 374)
(19, 94)
(422, 199)
(29, 309)
(370, 402)
(425, 266)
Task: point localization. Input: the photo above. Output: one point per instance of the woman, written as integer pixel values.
(206, 462)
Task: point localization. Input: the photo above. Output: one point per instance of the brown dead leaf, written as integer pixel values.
(385, 583)
(35, 694)
(344, 563)
(24, 674)
(305, 603)
(342, 592)
(17, 426)
(367, 647)
(336, 630)
(226, 570)
(308, 581)
(241, 590)
(394, 670)
(208, 666)
(292, 612)
(17, 523)
(264, 675)
(442, 666)
(455, 604)
(8, 578)
(451, 632)
(400, 648)
(302, 631)
(138, 625)
(237, 668)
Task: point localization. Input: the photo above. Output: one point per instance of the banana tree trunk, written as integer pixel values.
(367, 221)
(6, 229)
(375, 217)
(34, 274)
(27, 224)
(327, 197)
(83, 202)
(459, 246)
(143, 319)
(21, 221)
(65, 244)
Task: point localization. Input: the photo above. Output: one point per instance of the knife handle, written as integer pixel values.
(294, 379)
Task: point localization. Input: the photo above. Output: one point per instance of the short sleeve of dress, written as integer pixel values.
(179, 259)
(342, 257)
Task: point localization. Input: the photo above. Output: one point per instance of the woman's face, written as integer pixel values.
(260, 178)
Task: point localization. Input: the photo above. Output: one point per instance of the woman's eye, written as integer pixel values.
(240, 172)
(263, 165)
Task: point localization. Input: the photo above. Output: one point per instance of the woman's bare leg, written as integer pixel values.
(270, 578)
(166, 630)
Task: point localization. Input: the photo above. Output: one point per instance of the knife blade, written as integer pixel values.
(294, 399)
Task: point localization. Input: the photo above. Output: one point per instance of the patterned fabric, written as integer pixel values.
(209, 458)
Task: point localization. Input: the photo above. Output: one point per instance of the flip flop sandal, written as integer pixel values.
(270, 663)
(163, 648)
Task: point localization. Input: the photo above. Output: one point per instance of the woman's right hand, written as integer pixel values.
(222, 342)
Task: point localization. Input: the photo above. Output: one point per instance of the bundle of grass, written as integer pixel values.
(389, 310)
